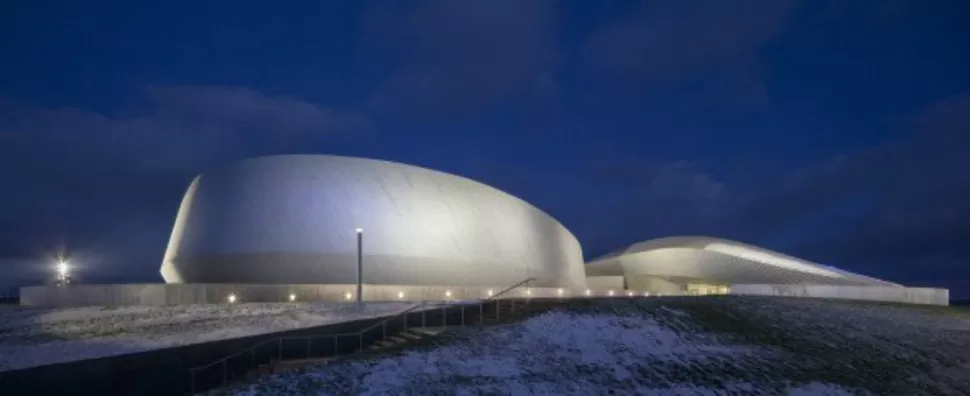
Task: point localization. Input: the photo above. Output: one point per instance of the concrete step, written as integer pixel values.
(397, 339)
(298, 362)
(429, 331)
(410, 334)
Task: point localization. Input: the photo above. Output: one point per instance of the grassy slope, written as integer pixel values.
(883, 348)
(744, 345)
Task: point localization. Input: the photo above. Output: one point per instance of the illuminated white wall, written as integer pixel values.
(292, 219)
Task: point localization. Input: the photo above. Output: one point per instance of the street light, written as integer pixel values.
(360, 266)
(62, 269)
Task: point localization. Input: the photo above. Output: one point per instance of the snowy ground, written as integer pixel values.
(32, 336)
(674, 346)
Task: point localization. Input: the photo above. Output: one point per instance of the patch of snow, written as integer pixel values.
(33, 336)
(674, 346)
(549, 354)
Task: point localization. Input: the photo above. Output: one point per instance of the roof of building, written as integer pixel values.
(717, 258)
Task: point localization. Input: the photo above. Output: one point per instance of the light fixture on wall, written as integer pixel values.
(490, 292)
(292, 297)
(348, 295)
(232, 298)
(588, 292)
(400, 294)
(447, 293)
(611, 293)
(559, 291)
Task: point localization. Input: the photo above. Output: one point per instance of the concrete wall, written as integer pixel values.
(653, 285)
(183, 294)
(912, 295)
(605, 283)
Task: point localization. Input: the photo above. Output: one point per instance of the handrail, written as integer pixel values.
(405, 312)
(357, 333)
(508, 289)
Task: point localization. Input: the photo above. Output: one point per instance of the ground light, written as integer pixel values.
(400, 294)
(588, 292)
(232, 298)
(348, 296)
(646, 294)
(611, 293)
(559, 291)
(629, 294)
(292, 297)
(447, 293)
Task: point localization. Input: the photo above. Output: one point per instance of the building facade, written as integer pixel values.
(696, 265)
(293, 220)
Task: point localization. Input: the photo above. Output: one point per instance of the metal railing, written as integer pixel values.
(329, 345)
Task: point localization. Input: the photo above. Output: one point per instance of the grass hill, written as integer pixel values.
(673, 346)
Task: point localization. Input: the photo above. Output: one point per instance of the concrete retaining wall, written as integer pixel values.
(654, 285)
(911, 295)
(183, 294)
(609, 282)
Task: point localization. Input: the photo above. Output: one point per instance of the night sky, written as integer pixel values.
(837, 131)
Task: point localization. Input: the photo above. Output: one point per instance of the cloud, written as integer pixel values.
(113, 183)
(911, 199)
(666, 41)
(638, 200)
(898, 210)
(460, 57)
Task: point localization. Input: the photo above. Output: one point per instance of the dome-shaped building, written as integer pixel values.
(292, 220)
(705, 265)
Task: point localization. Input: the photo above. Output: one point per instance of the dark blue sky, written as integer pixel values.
(838, 131)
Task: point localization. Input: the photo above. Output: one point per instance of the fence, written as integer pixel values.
(238, 365)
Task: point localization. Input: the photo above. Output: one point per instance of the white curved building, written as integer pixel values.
(292, 220)
(704, 265)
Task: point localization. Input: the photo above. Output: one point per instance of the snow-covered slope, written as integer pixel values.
(674, 346)
(31, 336)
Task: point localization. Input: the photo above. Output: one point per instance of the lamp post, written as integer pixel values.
(62, 272)
(360, 267)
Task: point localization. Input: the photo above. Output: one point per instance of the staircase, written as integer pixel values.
(496, 312)
(415, 326)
